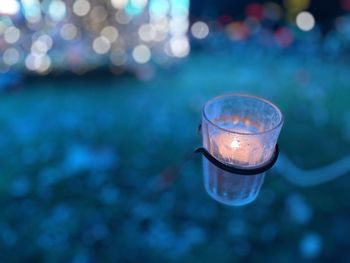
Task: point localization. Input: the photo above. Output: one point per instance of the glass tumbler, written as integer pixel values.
(241, 131)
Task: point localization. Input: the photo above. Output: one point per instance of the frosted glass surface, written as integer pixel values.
(242, 131)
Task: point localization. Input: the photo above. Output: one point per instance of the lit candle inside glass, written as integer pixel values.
(238, 150)
(240, 131)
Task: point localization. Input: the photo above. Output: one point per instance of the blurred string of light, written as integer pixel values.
(267, 23)
(79, 35)
(90, 33)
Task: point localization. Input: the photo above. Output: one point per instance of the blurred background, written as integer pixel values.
(99, 99)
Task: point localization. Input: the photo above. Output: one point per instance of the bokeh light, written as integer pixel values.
(147, 32)
(200, 30)
(180, 47)
(305, 21)
(77, 26)
(122, 18)
(38, 63)
(141, 54)
(9, 7)
(81, 7)
(98, 14)
(69, 31)
(12, 34)
(110, 32)
(101, 45)
(11, 56)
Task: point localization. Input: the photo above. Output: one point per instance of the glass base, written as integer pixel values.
(228, 188)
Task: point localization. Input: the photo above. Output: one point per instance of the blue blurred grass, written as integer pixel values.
(82, 164)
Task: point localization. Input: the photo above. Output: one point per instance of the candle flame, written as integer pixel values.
(235, 143)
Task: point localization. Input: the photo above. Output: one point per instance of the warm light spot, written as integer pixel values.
(146, 32)
(235, 143)
(141, 54)
(38, 63)
(305, 21)
(179, 26)
(31, 62)
(237, 31)
(68, 31)
(159, 36)
(9, 7)
(45, 63)
(119, 4)
(160, 23)
(47, 40)
(122, 18)
(57, 10)
(179, 46)
(39, 47)
(101, 45)
(98, 14)
(200, 30)
(110, 32)
(81, 7)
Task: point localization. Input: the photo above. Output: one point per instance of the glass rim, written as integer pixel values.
(211, 101)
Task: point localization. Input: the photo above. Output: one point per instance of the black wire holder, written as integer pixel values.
(249, 171)
(240, 170)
